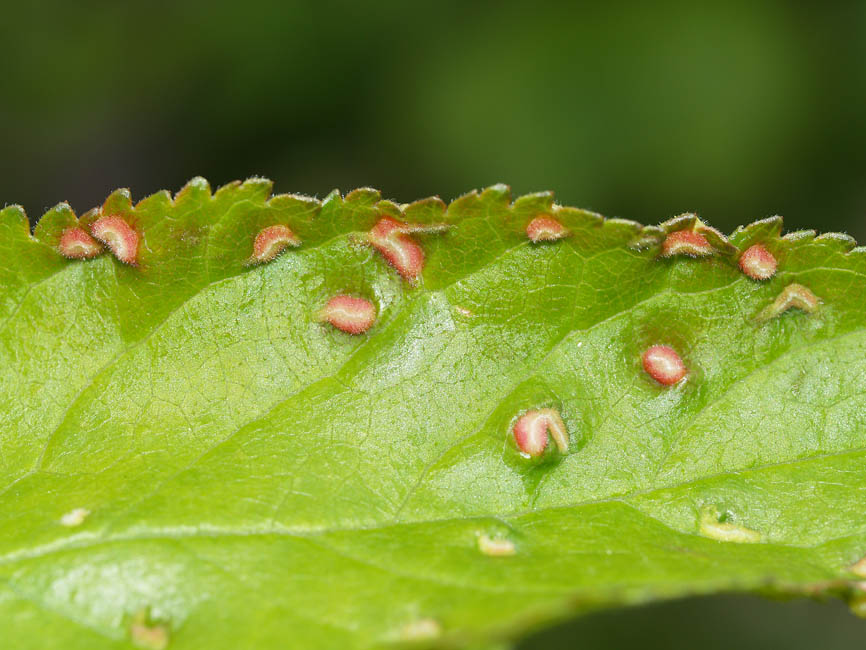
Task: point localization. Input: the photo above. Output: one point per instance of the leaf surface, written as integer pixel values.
(190, 458)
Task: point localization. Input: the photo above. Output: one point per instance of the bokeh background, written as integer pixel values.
(736, 110)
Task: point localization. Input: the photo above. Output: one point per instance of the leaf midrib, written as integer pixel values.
(91, 539)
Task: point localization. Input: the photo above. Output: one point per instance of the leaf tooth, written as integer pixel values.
(363, 196)
(838, 241)
(160, 202)
(13, 213)
(51, 225)
(574, 218)
(118, 202)
(227, 189)
(500, 193)
(259, 184)
(14, 218)
(800, 236)
(494, 199)
(256, 189)
(685, 221)
(333, 199)
(428, 210)
(289, 200)
(629, 232)
(761, 230)
(535, 203)
(625, 224)
(387, 207)
(464, 204)
(196, 189)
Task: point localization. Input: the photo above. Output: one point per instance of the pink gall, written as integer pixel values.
(686, 242)
(76, 244)
(663, 364)
(392, 239)
(349, 314)
(120, 238)
(758, 263)
(272, 241)
(531, 432)
(545, 228)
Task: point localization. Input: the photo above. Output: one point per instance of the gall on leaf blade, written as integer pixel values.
(239, 474)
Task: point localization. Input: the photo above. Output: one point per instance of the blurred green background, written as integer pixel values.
(736, 110)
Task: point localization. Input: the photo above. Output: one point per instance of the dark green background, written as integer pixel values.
(737, 110)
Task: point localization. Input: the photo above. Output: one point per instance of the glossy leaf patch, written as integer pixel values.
(428, 424)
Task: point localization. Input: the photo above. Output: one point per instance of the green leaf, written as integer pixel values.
(192, 459)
